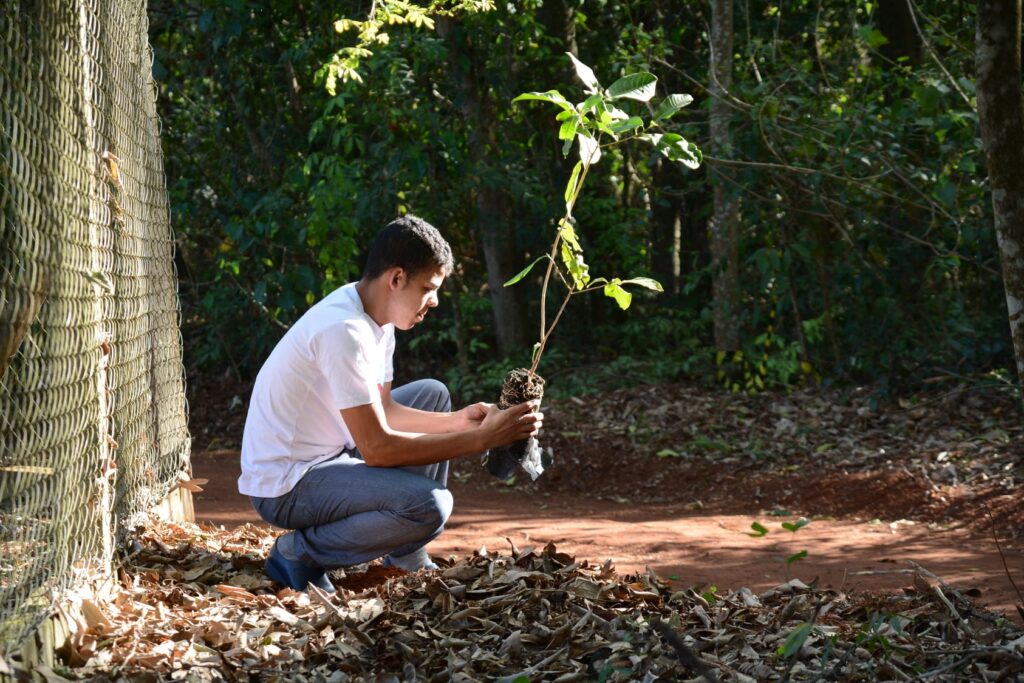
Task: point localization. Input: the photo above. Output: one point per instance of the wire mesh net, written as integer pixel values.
(92, 405)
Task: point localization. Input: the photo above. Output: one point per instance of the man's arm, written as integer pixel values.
(406, 419)
(383, 445)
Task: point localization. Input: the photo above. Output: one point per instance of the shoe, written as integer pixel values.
(412, 562)
(295, 574)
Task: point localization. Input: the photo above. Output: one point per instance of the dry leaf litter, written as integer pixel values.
(193, 604)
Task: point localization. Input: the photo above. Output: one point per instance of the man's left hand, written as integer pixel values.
(472, 415)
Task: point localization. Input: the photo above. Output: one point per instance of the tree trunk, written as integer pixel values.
(896, 23)
(724, 222)
(1001, 117)
(495, 226)
(666, 224)
(493, 206)
(558, 19)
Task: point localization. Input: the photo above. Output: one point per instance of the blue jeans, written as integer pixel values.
(344, 512)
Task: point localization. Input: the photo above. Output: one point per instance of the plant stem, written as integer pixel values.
(545, 332)
(544, 295)
(544, 338)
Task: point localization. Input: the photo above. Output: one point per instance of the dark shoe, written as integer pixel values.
(295, 574)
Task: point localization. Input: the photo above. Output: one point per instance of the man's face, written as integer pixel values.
(415, 296)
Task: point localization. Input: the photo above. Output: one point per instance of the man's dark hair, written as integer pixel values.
(409, 243)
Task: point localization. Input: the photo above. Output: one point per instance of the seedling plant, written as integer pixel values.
(600, 121)
(759, 531)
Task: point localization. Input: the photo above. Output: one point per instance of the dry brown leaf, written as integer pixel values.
(95, 619)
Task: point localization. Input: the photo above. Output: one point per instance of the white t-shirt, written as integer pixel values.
(334, 357)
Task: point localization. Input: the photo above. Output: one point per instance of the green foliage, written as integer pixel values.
(588, 122)
(890, 205)
(867, 249)
(249, 259)
(873, 634)
(373, 33)
(795, 640)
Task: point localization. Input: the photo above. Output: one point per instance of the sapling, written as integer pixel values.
(760, 530)
(596, 123)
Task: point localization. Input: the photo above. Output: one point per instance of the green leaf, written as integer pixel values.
(572, 255)
(647, 282)
(570, 187)
(759, 530)
(568, 233)
(577, 267)
(677, 148)
(796, 640)
(585, 73)
(632, 123)
(525, 271)
(604, 127)
(670, 105)
(621, 296)
(797, 525)
(589, 104)
(796, 557)
(613, 113)
(568, 129)
(552, 96)
(667, 453)
(590, 151)
(566, 146)
(872, 36)
(638, 86)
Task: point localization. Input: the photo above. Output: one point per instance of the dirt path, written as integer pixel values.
(683, 545)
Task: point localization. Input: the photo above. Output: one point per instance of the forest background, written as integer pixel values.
(849, 177)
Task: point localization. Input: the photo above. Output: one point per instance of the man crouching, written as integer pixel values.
(355, 470)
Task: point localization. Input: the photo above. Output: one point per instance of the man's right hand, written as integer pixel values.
(512, 424)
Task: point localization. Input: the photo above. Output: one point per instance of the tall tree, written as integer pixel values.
(724, 224)
(1001, 117)
(896, 22)
(493, 204)
(666, 223)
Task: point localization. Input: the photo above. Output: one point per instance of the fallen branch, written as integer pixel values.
(686, 656)
(995, 537)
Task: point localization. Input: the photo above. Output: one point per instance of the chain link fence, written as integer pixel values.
(92, 403)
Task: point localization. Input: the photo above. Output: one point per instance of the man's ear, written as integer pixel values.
(397, 278)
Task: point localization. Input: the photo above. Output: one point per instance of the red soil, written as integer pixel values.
(691, 527)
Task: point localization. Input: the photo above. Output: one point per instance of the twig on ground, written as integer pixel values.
(995, 537)
(686, 656)
(961, 598)
(954, 664)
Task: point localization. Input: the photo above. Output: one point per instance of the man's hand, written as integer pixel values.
(512, 424)
(471, 416)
